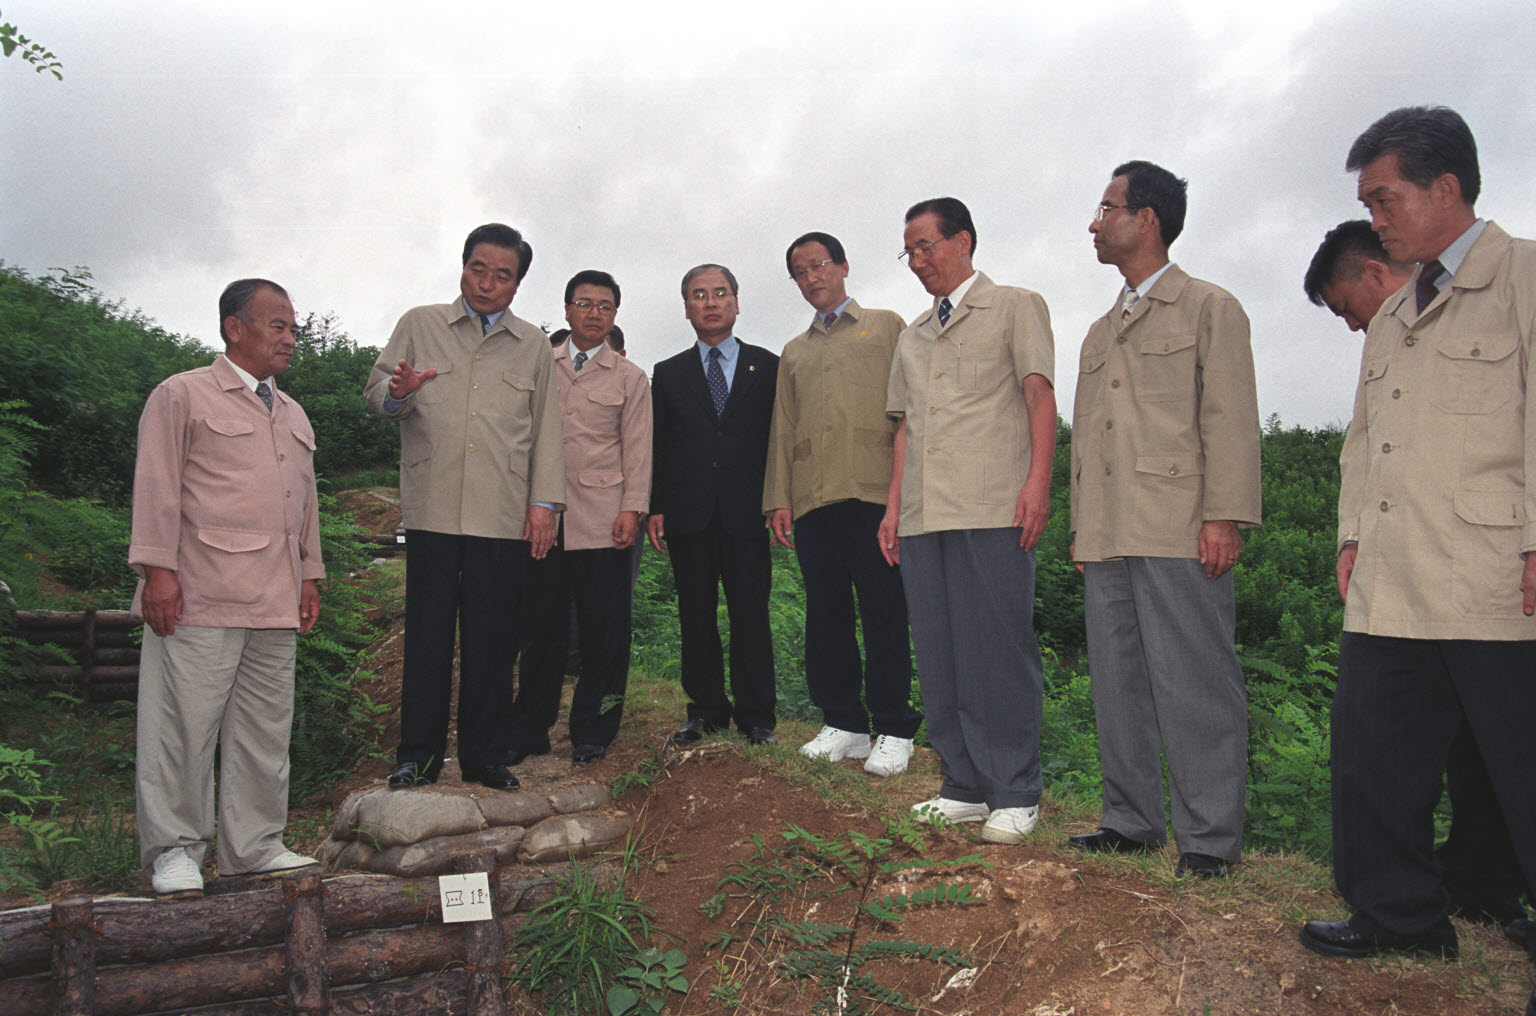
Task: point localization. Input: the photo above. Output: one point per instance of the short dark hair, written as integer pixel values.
(591, 277)
(558, 336)
(1342, 255)
(831, 243)
(698, 270)
(498, 235)
(1429, 141)
(236, 299)
(1148, 185)
(953, 216)
(616, 338)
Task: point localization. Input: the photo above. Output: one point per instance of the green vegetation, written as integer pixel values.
(774, 935)
(581, 951)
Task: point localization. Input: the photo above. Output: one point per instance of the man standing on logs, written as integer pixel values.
(226, 541)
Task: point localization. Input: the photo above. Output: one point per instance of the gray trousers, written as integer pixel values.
(207, 688)
(971, 603)
(1165, 675)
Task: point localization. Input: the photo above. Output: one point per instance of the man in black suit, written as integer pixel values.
(713, 403)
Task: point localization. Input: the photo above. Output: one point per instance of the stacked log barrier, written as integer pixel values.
(338, 944)
(104, 645)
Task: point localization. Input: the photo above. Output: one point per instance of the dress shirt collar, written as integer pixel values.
(493, 318)
(1146, 284)
(1451, 258)
(728, 347)
(838, 311)
(954, 298)
(248, 377)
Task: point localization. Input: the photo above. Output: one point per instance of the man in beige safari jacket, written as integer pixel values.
(1165, 471)
(481, 480)
(1437, 522)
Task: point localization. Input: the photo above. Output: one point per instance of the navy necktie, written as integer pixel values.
(945, 309)
(1427, 290)
(485, 323)
(716, 378)
(264, 393)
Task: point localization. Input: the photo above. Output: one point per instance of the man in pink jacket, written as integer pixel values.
(226, 541)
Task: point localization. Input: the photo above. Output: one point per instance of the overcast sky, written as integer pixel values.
(345, 149)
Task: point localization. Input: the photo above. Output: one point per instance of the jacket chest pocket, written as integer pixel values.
(1474, 374)
(227, 444)
(1377, 387)
(517, 392)
(1090, 373)
(436, 390)
(1165, 367)
(603, 411)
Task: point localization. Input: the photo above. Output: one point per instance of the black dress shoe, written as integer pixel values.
(1202, 866)
(496, 777)
(1107, 841)
(693, 730)
(761, 735)
(1338, 938)
(411, 774)
(588, 753)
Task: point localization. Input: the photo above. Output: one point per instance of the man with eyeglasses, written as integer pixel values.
(605, 415)
(829, 471)
(971, 390)
(482, 478)
(713, 404)
(1165, 471)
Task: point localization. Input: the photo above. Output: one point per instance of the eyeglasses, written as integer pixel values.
(814, 268)
(603, 307)
(921, 249)
(1105, 208)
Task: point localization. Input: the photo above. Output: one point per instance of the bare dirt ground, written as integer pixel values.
(1056, 933)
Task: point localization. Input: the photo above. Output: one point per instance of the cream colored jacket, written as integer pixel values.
(1165, 424)
(481, 440)
(1436, 465)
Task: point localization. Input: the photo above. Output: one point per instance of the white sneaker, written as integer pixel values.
(1010, 825)
(949, 811)
(286, 861)
(835, 745)
(174, 873)
(890, 756)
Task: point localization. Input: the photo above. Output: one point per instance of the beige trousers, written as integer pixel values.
(202, 689)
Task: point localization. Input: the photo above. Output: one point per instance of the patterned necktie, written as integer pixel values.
(1427, 290)
(579, 360)
(264, 393)
(1128, 304)
(827, 319)
(716, 378)
(945, 309)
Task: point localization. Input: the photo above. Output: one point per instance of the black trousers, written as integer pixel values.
(1399, 707)
(839, 556)
(1477, 858)
(598, 582)
(701, 564)
(468, 585)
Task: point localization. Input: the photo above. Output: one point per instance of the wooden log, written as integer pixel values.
(147, 931)
(53, 620)
(440, 993)
(305, 973)
(127, 639)
(483, 952)
(73, 675)
(74, 958)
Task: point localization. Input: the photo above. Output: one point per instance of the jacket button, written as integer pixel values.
(1173, 470)
(1386, 446)
(1115, 383)
(1109, 424)
(1476, 351)
(1397, 393)
(1410, 341)
(1384, 506)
